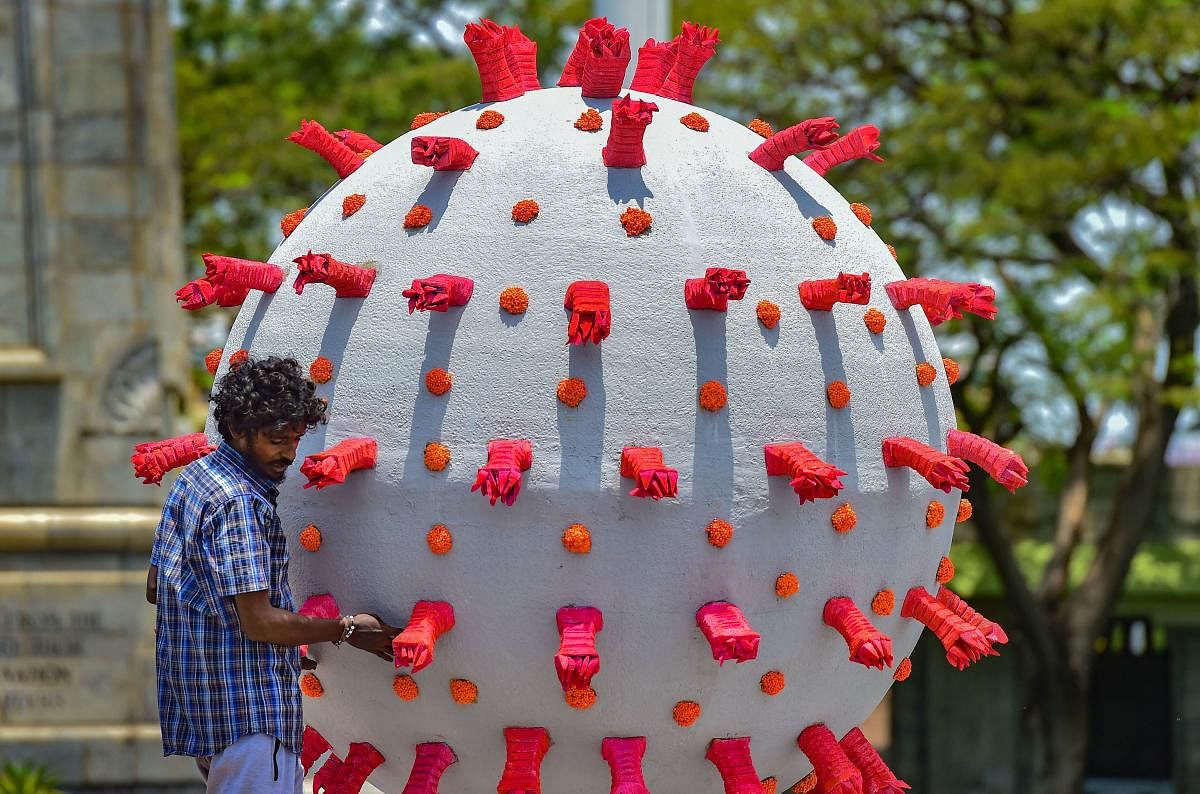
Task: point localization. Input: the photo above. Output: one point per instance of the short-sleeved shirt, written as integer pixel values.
(219, 536)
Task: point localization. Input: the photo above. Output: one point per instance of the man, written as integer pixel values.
(227, 631)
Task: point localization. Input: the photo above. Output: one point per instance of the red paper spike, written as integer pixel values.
(1005, 466)
(414, 646)
(153, 459)
(943, 300)
(591, 319)
(572, 73)
(624, 757)
(942, 471)
(525, 749)
(655, 59)
(652, 477)
(488, 43)
(630, 117)
(728, 633)
(347, 777)
(860, 143)
(438, 293)
(877, 777)
(227, 281)
(719, 286)
(430, 763)
(358, 141)
(314, 137)
(319, 606)
(732, 759)
(606, 60)
(500, 477)
(821, 294)
(577, 659)
(812, 478)
(868, 645)
(313, 746)
(348, 281)
(201, 292)
(443, 153)
(693, 47)
(993, 631)
(963, 642)
(330, 466)
(521, 54)
(773, 153)
(836, 773)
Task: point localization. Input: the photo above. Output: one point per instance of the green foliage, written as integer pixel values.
(18, 778)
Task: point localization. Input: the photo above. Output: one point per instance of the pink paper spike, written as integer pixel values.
(719, 286)
(836, 773)
(438, 293)
(993, 631)
(812, 478)
(577, 659)
(655, 59)
(630, 118)
(153, 459)
(330, 466)
(521, 54)
(728, 633)
(943, 300)
(606, 60)
(443, 153)
(877, 777)
(414, 646)
(500, 478)
(314, 137)
(860, 143)
(942, 471)
(591, 318)
(773, 153)
(1005, 466)
(358, 141)
(693, 47)
(822, 294)
(319, 606)
(624, 757)
(526, 747)
(572, 73)
(963, 642)
(313, 747)
(242, 274)
(347, 777)
(652, 477)
(868, 645)
(732, 759)
(431, 762)
(201, 292)
(348, 281)
(488, 43)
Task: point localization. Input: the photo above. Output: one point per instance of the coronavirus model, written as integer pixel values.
(636, 426)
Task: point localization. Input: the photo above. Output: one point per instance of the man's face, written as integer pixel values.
(272, 450)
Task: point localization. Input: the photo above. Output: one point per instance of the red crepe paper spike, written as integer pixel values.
(1005, 466)
(773, 153)
(943, 300)
(630, 117)
(591, 318)
(624, 757)
(652, 477)
(572, 73)
(500, 477)
(655, 59)
(521, 53)
(153, 459)
(605, 63)
(313, 746)
(347, 777)
(877, 777)
(821, 294)
(524, 750)
(488, 43)
(200, 292)
(314, 137)
(993, 631)
(348, 281)
(834, 769)
(322, 606)
(963, 642)
(693, 47)
(812, 478)
(860, 143)
(589, 120)
(940, 470)
(438, 293)
(868, 645)
(289, 222)
(330, 466)
(719, 286)
(358, 141)
(443, 153)
(430, 763)
(728, 632)
(577, 659)
(241, 274)
(732, 759)
(414, 646)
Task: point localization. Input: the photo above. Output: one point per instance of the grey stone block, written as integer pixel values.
(92, 140)
(28, 442)
(88, 30)
(90, 246)
(96, 192)
(89, 85)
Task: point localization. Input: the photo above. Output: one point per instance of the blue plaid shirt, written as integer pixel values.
(219, 536)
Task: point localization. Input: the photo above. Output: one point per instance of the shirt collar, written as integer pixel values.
(227, 454)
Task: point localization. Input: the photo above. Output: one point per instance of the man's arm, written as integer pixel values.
(152, 585)
(262, 622)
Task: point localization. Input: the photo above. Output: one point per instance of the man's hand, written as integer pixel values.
(373, 635)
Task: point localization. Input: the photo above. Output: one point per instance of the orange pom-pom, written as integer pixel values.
(352, 204)
(239, 358)
(421, 119)
(636, 221)
(903, 670)
(289, 222)
(761, 127)
(935, 514)
(825, 227)
(571, 391)
(438, 381)
(514, 300)
(719, 532)
(310, 686)
(439, 539)
(945, 571)
(580, 698)
(418, 217)
(694, 121)
(807, 785)
(213, 360)
(838, 393)
(525, 210)
(875, 321)
(712, 395)
(884, 602)
(952, 370)
(768, 313)
(769, 785)
(310, 537)
(463, 691)
(862, 212)
(772, 683)
(437, 456)
(589, 121)
(965, 509)
(321, 370)
(892, 250)
(926, 374)
(685, 713)
(489, 120)
(844, 518)
(576, 539)
(405, 687)
(787, 584)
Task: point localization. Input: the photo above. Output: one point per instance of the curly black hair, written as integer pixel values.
(269, 393)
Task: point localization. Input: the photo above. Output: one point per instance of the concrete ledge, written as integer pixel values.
(98, 754)
(87, 529)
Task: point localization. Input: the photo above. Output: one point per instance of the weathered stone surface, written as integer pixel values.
(90, 85)
(28, 443)
(93, 140)
(94, 30)
(86, 245)
(96, 192)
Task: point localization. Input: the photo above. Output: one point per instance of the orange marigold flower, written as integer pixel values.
(712, 395)
(768, 313)
(838, 393)
(875, 321)
(768, 785)
(772, 683)
(719, 532)
(892, 250)
(418, 217)
(636, 221)
(310, 686)
(438, 381)
(437, 456)
(903, 670)
(952, 370)
(352, 204)
(289, 222)
(514, 300)
(405, 687)
(844, 518)
(945, 571)
(489, 120)
(589, 121)
(576, 539)
(321, 370)
(463, 691)
(213, 360)
(761, 127)
(685, 713)
(807, 785)
(580, 698)
(862, 212)
(825, 227)
(935, 514)
(525, 210)
(310, 537)
(421, 119)
(884, 602)
(787, 584)
(965, 509)
(694, 121)
(571, 391)
(239, 358)
(926, 374)
(439, 539)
